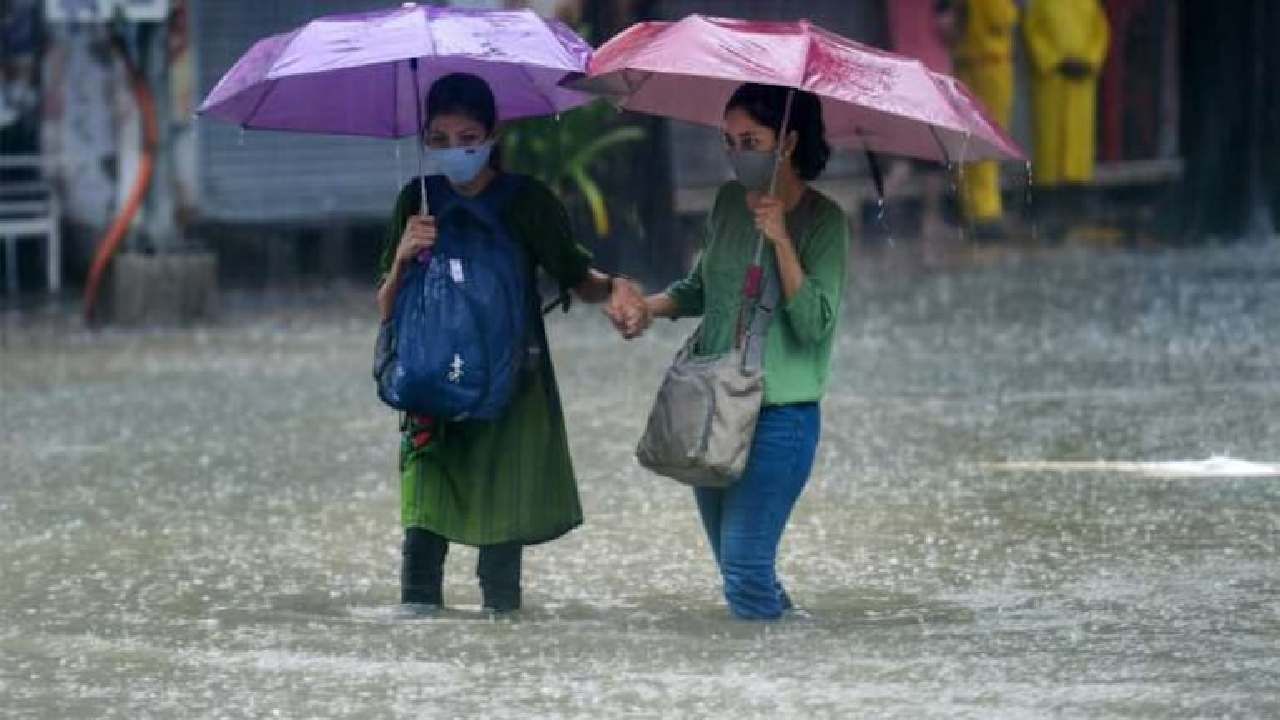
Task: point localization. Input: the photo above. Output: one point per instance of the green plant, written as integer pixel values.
(561, 151)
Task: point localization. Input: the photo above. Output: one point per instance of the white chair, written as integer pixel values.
(30, 209)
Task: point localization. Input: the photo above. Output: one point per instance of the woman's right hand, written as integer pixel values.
(419, 235)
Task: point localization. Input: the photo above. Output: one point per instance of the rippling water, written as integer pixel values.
(203, 523)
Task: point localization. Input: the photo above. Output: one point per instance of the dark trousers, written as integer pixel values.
(422, 572)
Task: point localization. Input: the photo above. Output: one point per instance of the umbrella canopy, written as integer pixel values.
(973, 111)
(872, 99)
(363, 74)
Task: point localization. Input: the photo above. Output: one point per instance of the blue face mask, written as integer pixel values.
(460, 164)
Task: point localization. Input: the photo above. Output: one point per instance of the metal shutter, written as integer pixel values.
(259, 176)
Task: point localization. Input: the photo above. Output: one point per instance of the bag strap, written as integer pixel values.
(766, 305)
(491, 205)
(768, 295)
(442, 198)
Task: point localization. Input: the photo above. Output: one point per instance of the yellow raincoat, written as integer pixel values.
(984, 62)
(1058, 31)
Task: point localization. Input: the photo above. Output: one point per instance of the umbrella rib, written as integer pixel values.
(395, 99)
(946, 156)
(258, 105)
(633, 91)
(640, 86)
(525, 71)
(964, 148)
(431, 38)
(808, 53)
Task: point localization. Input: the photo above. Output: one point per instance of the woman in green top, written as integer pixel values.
(502, 484)
(808, 234)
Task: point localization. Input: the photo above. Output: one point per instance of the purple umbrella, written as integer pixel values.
(365, 74)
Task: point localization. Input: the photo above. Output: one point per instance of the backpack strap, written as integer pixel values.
(497, 198)
(490, 206)
(440, 196)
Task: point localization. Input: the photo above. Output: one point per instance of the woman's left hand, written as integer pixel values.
(770, 219)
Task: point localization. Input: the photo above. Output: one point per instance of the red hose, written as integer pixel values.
(110, 242)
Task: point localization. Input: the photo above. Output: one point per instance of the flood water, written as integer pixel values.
(204, 523)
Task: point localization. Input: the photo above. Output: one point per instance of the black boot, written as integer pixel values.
(422, 571)
(499, 573)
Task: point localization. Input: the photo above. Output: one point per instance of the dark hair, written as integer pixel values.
(462, 94)
(766, 104)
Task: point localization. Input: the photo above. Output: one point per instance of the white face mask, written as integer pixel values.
(460, 164)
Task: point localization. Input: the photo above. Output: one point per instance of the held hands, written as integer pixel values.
(419, 235)
(627, 309)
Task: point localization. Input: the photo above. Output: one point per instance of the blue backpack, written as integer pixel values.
(458, 337)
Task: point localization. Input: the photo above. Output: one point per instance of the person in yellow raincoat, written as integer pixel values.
(1067, 41)
(984, 62)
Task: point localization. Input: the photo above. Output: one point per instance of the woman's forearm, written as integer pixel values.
(596, 288)
(662, 305)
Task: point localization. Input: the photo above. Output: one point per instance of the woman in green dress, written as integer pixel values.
(502, 484)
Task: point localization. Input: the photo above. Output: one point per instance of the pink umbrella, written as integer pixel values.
(872, 99)
(972, 109)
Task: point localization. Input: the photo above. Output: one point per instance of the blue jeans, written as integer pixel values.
(744, 522)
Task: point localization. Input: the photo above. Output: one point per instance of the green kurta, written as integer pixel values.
(798, 350)
(509, 480)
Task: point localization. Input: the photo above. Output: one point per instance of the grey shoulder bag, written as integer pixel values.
(704, 417)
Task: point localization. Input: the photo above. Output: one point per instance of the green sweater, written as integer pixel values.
(798, 350)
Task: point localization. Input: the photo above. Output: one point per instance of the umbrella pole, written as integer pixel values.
(777, 161)
(753, 282)
(424, 209)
